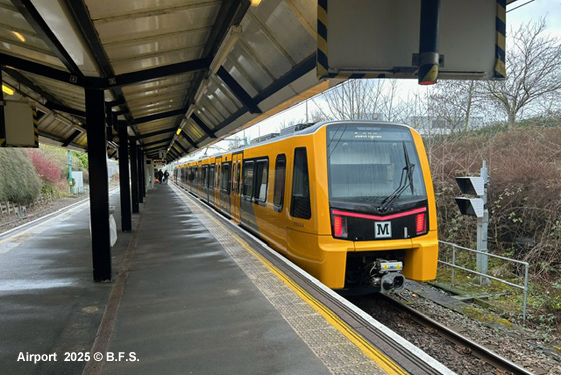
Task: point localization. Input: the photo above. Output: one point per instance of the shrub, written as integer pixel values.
(46, 169)
(19, 183)
(523, 194)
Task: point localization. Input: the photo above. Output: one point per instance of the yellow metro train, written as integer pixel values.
(351, 202)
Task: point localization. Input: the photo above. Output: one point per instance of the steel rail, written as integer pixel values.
(480, 351)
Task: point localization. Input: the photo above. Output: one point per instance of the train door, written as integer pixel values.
(216, 191)
(246, 201)
(236, 187)
(225, 186)
(204, 183)
(210, 190)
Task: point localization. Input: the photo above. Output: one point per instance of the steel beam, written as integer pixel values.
(140, 175)
(32, 16)
(71, 138)
(159, 116)
(126, 222)
(238, 91)
(143, 170)
(62, 108)
(134, 175)
(203, 126)
(159, 72)
(43, 70)
(181, 147)
(99, 186)
(156, 133)
(167, 140)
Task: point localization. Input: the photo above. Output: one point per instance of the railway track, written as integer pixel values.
(463, 348)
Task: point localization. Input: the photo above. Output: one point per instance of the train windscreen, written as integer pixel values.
(374, 165)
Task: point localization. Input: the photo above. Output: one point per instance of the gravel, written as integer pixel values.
(523, 346)
(8, 222)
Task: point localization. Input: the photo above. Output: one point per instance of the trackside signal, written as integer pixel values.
(477, 207)
(471, 186)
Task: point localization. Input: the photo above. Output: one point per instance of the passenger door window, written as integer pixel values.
(225, 178)
(280, 176)
(300, 204)
(247, 188)
(211, 177)
(261, 181)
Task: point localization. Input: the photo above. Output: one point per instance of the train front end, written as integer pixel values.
(381, 198)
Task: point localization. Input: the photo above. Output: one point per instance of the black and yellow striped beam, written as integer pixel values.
(35, 127)
(500, 43)
(322, 61)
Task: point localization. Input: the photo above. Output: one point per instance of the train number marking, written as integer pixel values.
(383, 229)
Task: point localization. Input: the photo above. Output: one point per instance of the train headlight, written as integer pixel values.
(339, 226)
(421, 223)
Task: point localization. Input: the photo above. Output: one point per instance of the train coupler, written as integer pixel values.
(386, 275)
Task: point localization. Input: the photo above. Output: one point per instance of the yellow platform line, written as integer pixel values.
(366, 347)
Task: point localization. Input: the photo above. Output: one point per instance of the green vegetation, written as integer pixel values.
(525, 210)
(26, 173)
(19, 182)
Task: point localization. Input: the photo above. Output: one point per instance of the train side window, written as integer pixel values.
(211, 177)
(234, 174)
(247, 188)
(204, 176)
(261, 181)
(239, 178)
(300, 204)
(225, 178)
(217, 175)
(280, 176)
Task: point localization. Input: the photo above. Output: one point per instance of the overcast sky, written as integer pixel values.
(533, 11)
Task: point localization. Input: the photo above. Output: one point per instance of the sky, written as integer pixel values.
(518, 13)
(550, 9)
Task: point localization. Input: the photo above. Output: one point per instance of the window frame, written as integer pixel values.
(246, 167)
(211, 169)
(278, 194)
(225, 178)
(204, 176)
(260, 166)
(295, 200)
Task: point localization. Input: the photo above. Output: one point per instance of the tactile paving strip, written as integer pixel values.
(338, 353)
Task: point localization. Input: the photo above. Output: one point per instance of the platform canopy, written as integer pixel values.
(180, 74)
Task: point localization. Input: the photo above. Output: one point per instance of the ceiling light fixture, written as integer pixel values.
(20, 37)
(7, 90)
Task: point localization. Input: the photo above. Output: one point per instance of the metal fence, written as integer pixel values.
(454, 266)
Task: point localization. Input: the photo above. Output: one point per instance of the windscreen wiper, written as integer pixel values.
(406, 175)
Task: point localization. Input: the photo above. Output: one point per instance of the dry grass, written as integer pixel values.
(524, 198)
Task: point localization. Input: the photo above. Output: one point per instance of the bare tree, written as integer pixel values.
(533, 63)
(361, 99)
(455, 103)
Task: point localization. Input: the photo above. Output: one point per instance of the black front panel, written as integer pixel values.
(364, 224)
(360, 229)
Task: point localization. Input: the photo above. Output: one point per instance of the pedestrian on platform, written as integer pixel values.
(160, 176)
(166, 176)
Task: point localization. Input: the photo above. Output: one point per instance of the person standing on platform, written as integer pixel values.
(160, 176)
(166, 176)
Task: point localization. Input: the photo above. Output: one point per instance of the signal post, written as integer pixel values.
(477, 207)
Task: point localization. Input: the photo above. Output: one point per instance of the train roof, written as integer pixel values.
(298, 130)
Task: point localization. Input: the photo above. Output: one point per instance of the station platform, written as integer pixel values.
(189, 295)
